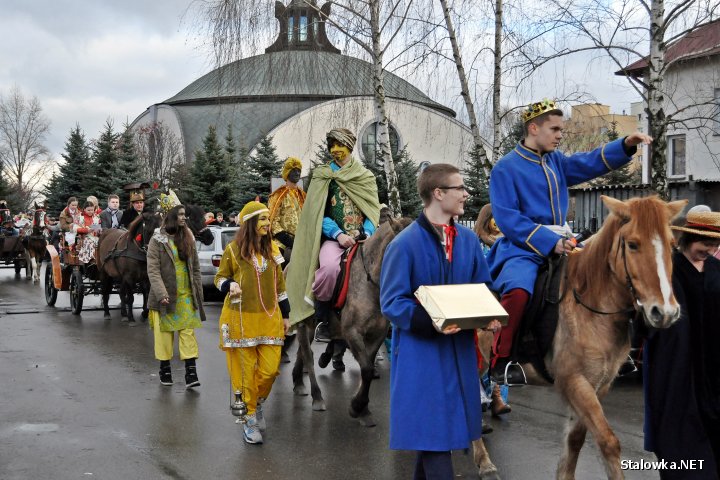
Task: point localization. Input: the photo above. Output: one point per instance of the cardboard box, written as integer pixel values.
(468, 306)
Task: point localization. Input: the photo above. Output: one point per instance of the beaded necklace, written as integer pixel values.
(260, 268)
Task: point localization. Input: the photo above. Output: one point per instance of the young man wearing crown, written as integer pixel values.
(529, 196)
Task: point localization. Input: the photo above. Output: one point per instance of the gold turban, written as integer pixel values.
(291, 163)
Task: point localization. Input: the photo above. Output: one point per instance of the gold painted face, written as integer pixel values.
(263, 224)
(339, 152)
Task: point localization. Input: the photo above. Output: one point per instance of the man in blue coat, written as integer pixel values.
(529, 196)
(434, 386)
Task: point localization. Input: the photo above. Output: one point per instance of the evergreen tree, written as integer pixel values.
(513, 137)
(8, 194)
(73, 173)
(261, 168)
(128, 164)
(104, 165)
(244, 179)
(211, 177)
(623, 175)
(407, 172)
(476, 183)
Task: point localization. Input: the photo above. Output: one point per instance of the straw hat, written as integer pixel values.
(706, 224)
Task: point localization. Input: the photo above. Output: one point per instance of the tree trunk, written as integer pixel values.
(381, 114)
(657, 123)
(497, 74)
(465, 89)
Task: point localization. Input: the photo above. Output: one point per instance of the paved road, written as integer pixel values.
(81, 400)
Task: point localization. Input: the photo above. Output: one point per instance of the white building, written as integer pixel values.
(300, 89)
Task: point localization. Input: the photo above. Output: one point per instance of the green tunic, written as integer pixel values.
(185, 315)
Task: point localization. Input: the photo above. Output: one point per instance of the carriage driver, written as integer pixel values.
(529, 196)
(341, 206)
(137, 203)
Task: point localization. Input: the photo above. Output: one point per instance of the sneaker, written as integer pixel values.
(191, 378)
(251, 432)
(260, 417)
(508, 373)
(166, 376)
(322, 333)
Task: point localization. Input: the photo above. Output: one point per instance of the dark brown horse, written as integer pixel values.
(36, 242)
(362, 325)
(625, 268)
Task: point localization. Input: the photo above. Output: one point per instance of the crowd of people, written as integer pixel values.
(269, 291)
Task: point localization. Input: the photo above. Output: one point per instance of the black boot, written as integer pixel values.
(337, 358)
(322, 316)
(508, 373)
(284, 357)
(326, 356)
(191, 378)
(165, 372)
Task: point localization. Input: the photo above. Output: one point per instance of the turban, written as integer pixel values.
(291, 163)
(342, 136)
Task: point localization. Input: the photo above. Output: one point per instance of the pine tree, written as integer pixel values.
(104, 165)
(262, 167)
(245, 179)
(7, 193)
(73, 174)
(514, 136)
(623, 175)
(211, 176)
(476, 183)
(407, 172)
(128, 164)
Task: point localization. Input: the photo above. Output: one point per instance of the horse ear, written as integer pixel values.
(676, 207)
(618, 207)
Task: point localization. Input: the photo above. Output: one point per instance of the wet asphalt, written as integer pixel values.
(80, 399)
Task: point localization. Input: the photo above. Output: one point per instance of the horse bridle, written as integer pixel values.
(628, 283)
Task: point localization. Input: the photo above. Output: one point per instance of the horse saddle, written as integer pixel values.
(343, 281)
(535, 336)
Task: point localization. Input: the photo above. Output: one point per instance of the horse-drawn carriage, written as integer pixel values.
(12, 253)
(74, 270)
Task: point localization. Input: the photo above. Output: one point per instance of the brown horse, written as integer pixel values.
(36, 242)
(625, 268)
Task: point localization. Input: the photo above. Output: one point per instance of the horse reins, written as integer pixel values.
(367, 272)
(628, 284)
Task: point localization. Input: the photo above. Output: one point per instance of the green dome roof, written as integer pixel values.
(294, 76)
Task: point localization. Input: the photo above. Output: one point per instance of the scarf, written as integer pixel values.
(360, 185)
(113, 217)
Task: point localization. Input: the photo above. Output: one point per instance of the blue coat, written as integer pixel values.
(528, 191)
(434, 384)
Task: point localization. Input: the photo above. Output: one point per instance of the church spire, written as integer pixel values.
(302, 27)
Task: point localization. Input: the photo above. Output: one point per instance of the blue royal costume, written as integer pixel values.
(434, 385)
(527, 191)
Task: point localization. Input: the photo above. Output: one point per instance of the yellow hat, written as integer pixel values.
(252, 209)
(536, 109)
(290, 164)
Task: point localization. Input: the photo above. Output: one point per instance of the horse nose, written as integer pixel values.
(663, 316)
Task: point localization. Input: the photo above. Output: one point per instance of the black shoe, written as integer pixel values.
(191, 378)
(627, 368)
(486, 428)
(508, 373)
(338, 365)
(324, 359)
(165, 373)
(322, 333)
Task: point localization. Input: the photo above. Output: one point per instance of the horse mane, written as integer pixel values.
(590, 269)
(376, 244)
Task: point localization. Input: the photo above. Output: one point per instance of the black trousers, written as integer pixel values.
(433, 466)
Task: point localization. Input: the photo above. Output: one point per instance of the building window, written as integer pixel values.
(291, 29)
(303, 28)
(369, 141)
(677, 155)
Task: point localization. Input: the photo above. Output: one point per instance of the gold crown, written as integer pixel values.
(534, 110)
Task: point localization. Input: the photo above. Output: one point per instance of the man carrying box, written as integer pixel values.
(434, 385)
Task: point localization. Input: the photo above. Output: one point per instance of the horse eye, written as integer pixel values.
(633, 246)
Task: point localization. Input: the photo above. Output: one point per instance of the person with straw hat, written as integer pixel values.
(253, 321)
(681, 363)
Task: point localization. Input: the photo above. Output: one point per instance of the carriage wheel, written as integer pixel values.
(77, 291)
(50, 290)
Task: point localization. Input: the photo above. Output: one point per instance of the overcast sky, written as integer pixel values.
(90, 61)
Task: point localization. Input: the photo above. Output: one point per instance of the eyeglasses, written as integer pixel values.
(459, 188)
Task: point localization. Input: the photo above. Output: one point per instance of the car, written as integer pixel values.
(210, 255)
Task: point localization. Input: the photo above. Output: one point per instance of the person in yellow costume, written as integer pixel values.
(285, 205)
(254, 316)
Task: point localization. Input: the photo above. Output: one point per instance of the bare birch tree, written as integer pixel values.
(159, 151)
(24, 157)
(627, 32)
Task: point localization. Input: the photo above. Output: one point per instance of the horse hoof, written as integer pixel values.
(491, 475)
(367, 421)
(319, 405)
(300, 391)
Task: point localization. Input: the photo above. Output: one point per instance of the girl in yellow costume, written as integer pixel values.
(253, 321)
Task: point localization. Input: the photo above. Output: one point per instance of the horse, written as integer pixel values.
(120, 256)
(625, 269)
(36, 242)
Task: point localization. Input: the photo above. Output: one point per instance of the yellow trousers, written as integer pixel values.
(187, 342)
(252, 371)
